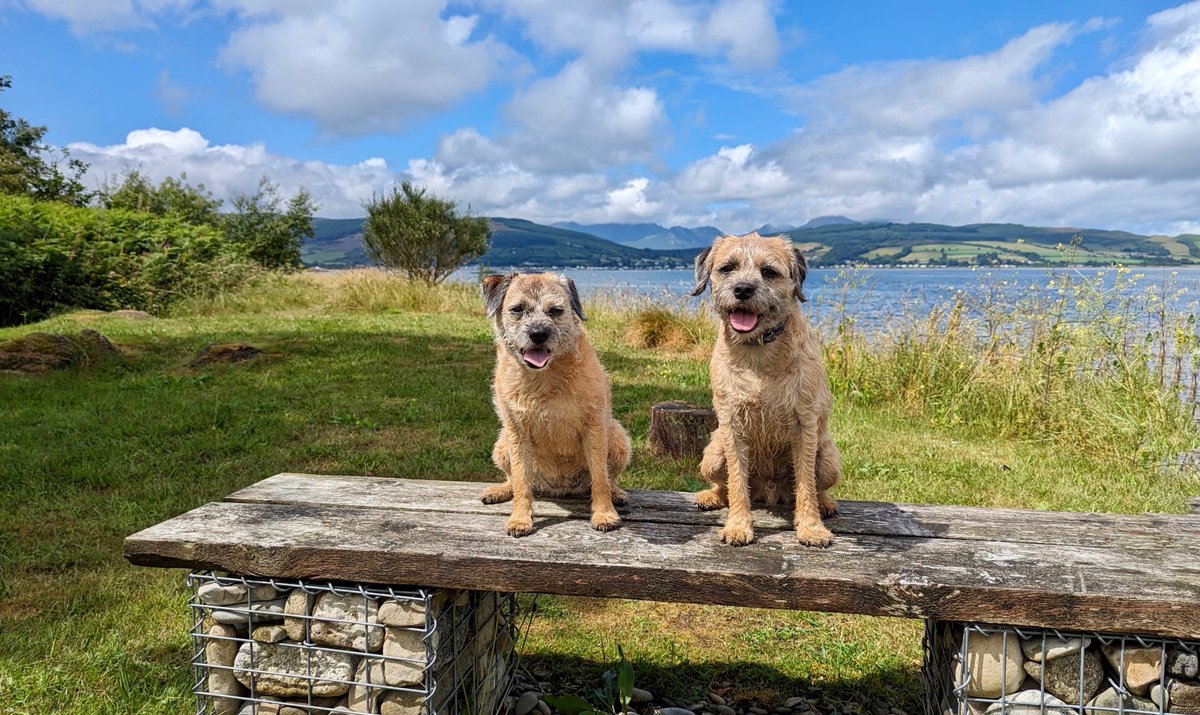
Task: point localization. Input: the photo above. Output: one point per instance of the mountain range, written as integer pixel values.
(827, 240)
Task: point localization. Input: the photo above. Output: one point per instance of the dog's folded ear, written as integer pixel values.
(493, 289)
(703, 268)
(573, 292)
(799, 272)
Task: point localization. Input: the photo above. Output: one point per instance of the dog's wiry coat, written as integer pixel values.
(770, 391)
(558, 436)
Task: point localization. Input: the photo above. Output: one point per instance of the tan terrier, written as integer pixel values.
(558, 436)
(770, 391)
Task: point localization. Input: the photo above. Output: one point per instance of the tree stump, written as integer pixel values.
(680, 429)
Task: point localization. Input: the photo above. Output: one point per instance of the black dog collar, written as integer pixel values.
(772, 334)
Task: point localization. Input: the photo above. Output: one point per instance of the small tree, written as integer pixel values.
(422, 235)
(30, 168)
(173, 197)
(267, 232)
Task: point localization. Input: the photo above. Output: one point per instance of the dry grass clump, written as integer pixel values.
(657, 327)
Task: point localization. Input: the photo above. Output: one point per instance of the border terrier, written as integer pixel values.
(770, 391)
(557, 436)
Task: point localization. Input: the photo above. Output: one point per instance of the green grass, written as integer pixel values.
(370, 376)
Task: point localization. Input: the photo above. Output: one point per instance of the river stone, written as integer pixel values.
(526, 703)
(1030, 702)
(993, 666)
(1185, 696)
(1110, 698)
(640, 697)
(1158, 694)
(263, 611)
(297, 604)
(221, 681)
(269, 634)
(1141, 667)
(295, 707)
(215, 594)
(397, 673)
(288, 668)
(401, 703)
(402, 613)
(675, 711)
(1062, 676)
(1182, 663)
(333, 607)
(403, 643)
(1055, 647)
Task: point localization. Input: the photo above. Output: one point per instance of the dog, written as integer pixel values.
(770, 391)
(558, 436)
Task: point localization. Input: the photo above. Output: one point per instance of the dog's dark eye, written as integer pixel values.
(554, 312)
(769, 273)
(727, 268)
(517, 309)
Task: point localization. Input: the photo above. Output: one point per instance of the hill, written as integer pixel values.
(648, 235)
(337, 243)
(826, 241)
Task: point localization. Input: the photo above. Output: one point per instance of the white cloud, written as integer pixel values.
(230, 169)
(87, 16)
(173, 97)
(357, 66)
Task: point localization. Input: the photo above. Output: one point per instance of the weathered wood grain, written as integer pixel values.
(437, 534)
(1145, 532)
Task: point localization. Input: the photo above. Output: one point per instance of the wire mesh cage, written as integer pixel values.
(972, 668)
(285, 647)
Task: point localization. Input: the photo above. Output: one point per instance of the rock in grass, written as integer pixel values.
(131, 314)
(526, 703)
(289, 669)
(39, 352)
(1062, 676)
(224, 354)
(640, 697)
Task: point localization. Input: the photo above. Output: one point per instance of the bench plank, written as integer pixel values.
(887, 559)
(1142, 532)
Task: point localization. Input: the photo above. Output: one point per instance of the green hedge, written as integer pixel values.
(54, 257)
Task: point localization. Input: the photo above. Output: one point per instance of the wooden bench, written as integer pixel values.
(1088, 572)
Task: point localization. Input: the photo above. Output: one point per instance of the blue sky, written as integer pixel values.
(731, 113)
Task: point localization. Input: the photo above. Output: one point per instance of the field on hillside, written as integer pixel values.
(365, 374)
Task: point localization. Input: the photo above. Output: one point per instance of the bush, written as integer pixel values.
(54, 257)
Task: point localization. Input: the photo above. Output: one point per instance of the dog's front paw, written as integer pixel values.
(709, 500)
(605, 520)
(620, 497)
(737, 534)
(827, 506)
(519, 526)
(811, 532)
(497, 493)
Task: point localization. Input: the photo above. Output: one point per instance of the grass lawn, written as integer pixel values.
(90, 455)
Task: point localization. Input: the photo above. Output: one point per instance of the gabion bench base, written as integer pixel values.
(975, 668)
(297, 647)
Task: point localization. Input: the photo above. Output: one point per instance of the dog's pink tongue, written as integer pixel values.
(536, 357)
(742, 321)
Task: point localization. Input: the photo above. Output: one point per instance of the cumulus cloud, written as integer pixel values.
(357, 66)
(230, 169)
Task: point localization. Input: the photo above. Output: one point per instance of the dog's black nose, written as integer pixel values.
(742, 291)
(539, 336)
